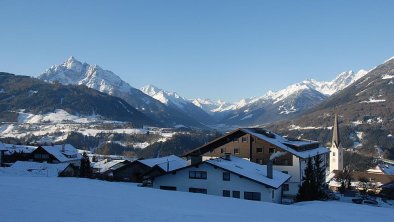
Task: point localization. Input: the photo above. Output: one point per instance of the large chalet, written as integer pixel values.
(261, 146)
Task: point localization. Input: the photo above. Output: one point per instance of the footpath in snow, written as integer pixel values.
(74, 199)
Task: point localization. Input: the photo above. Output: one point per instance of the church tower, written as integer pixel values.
(336, 151)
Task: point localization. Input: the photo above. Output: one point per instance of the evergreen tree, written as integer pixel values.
(85, 169)
(306, 189)
(320, 177)
(313, 186)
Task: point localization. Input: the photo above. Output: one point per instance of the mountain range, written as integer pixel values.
(366, 114)
(171, 109)
(362, 99)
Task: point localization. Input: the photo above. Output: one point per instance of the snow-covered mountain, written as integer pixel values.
(172, 109)
(175, 101)
(287, 102)
(168, 98)
(75, 72)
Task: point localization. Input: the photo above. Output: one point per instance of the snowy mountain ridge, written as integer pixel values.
(165, 97)
(328, 88)
(75, 72)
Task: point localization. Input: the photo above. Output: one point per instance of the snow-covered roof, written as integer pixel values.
(11, 148)
(300, 148)
(25, 168)
(387, 168)
(63, 153)
(285, 143)
(105, 165)
(253, 171)
(2, 147)
(171, 162)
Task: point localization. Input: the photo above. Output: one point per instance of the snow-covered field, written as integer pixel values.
(74, 199)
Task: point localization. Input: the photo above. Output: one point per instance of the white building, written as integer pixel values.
(229, 176)
(336, 150)
(259, 145)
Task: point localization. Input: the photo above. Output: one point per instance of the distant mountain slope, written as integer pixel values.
(175, 101)
(366, 111)
(74, 72)
(289, 102)
(38, 97)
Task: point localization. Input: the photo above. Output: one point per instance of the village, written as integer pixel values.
(246, 163)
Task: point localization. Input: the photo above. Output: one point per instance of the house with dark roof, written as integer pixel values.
(141, 169)
(227, 176)
(262, 146)
(64, 153)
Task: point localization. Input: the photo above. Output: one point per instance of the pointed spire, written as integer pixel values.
(335, 132)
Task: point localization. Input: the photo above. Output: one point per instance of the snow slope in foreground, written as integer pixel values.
(72, 199)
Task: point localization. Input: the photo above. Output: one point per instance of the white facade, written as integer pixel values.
(296, 172)
(336, 158)
(215, 185)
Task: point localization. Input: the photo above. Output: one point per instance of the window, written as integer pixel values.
(197, 190)
(236, 150)
(252, 196)
(221, 150)
(259, 150)
(236, 194)
(286, 172)
(235, 139)
(244, 139)
(198, 175)
(226, 176)
(285, 187)
(226, 193)
(41, 156)
(333, 154)
(167, 188)
(271, 150)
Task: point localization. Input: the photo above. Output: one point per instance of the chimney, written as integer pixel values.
(63, 148)
(269, 169)
(195, 160)
(227, 156)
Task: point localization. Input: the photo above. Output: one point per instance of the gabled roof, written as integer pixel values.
(37, 169)
(299, 148)
(11, 148)
(167, 163)
(105, 165)
(250, 170)
(63, 153)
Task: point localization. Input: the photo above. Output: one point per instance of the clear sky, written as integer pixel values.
(201, 48)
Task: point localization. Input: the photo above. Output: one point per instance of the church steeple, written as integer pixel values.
(336, 151)
(335, 133)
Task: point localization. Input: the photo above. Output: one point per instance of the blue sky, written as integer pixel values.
(202, 48)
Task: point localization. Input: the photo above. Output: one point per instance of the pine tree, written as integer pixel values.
(313, 186)
(320, 177)
(85, 169)
(306, 189)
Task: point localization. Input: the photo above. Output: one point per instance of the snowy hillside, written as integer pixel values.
(72, 199)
